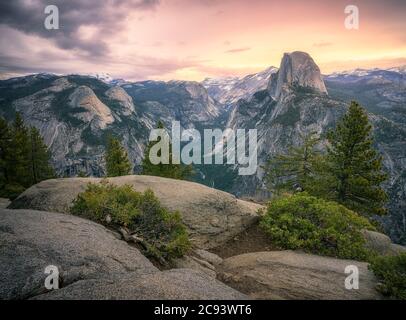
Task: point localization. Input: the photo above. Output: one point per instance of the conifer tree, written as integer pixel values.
(24, 159)
(117, 162)
(171, 170)
(39, 158)
(354, 165)
(20, 168)
(5, 154)
(296, 170)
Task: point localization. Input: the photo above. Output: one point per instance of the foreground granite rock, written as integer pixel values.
(4, 203)
(381, 243)
(212, 216)
(292, 275)
(199, 260)
(175, 284)
(92, 263)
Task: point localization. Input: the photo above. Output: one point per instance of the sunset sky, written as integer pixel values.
(195, 39)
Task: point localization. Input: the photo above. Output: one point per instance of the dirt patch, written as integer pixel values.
(252, 239)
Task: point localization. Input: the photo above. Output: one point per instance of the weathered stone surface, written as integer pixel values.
(194, 264)
(32, 240)
(92, 262)
(296, 69)
(200, 260)
(396, 248)
(4, 202)
(212, 216)
(381, 243)
(97, 113)
(212, 258)
(292, 275)
(174, 284)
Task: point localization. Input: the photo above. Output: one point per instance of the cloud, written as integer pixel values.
(150, 66)
(23, 54)
(343, 65)
(138, 68)
(213, 71)
(236, 50)
(105, 16)
(141, 39)
(322, 44)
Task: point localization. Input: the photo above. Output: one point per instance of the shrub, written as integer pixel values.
(163, 234)
(391, 271)
(11, 191)
(315, 225)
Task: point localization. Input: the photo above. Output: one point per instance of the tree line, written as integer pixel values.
(118, 164)
(24, 158)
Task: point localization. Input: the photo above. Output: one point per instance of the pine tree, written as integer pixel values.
(5, 154)
(24, 159)
(39, 158)
(171, 170)
(117, 163)
(354, 165)
(20, 169)
(296, 170)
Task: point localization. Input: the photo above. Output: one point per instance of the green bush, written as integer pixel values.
(315, 225)
(391, 271)
(162, 232)
(11, 191)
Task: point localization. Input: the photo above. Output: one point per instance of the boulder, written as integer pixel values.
(381, 243)
(212, 258)
(397, 248)
(294, 275)
(191, 262)
(32, 240)
(175, 284)
(200, 260)
(92, 263)
(212, 216)
(4, 203)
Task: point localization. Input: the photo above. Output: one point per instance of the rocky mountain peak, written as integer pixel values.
(120, 95)
(296, 69)
(85, 98)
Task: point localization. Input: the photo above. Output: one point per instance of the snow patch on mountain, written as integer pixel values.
(228, 90)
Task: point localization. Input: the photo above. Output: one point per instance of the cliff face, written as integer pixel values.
(297, 69)
(296, 103)
(76, 113)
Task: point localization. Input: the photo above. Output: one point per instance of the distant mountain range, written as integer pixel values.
(229, 90)
(75, 113)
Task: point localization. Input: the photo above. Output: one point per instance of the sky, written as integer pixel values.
(196, 39)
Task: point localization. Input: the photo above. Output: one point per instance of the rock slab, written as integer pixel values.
(92, 263)
(212, 216)
(293, 275)
(381, 243)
